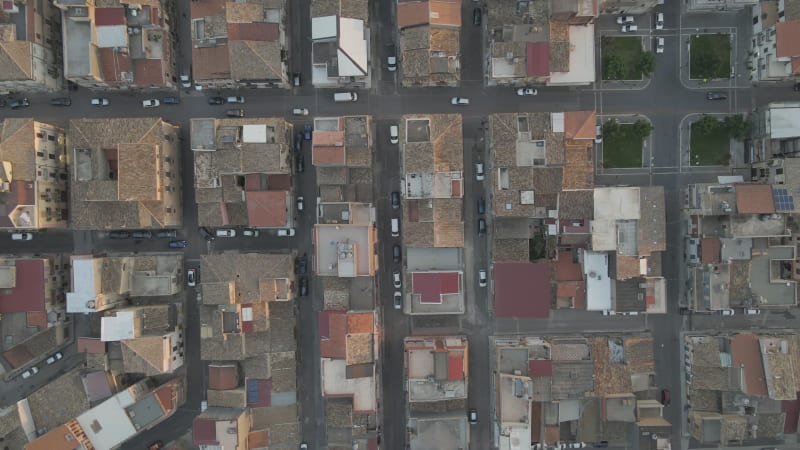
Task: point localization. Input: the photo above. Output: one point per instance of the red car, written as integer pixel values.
(665, 397)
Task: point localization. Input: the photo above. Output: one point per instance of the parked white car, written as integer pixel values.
(527, 91)
(226, 232)
(625, 19)
(629, 28)
(21, 236)
(660, 21)
(459, 101)
(752, 311)
(286, 232)
(100, 101)
(727, 312)
(151, 103)
(660, 45)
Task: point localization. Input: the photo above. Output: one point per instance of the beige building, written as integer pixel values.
(118, 44)
(33, 175)
(126, 173)
(30, 60)
(243, 172)
(239, 44)
(430, 49)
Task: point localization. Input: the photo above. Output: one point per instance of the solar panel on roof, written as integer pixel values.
(783, 200)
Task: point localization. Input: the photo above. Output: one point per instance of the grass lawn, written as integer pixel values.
(628, 49)
(710, 148)
(710, 56)
(622, 148)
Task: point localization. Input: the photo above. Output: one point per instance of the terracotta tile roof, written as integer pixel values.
(204, 431)
(538, 59)
(207, 8)
(328, 155)
(580, 124)
(258, 439)
(746, 354)
(333, 329)
(627, 267)
(28, 292)
(754, 199)
(222, 378)
(567, 266)
(113, 63)
(360, 322)
(210, 63)
(788, 39)
(266, 208)
(412, 13)
(579, 165)
(148, 72)
(91, 345)
(138, 178)
(36, 318)
(254, 31)
(522, 290)
(710, 250)
(445, 13)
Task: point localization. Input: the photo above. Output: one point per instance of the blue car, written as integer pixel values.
(178, 244)
(307, 130)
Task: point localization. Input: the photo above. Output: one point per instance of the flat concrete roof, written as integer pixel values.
(443, 433)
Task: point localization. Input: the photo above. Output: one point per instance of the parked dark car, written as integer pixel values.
(308, 130)
(716, 96)
(301, 264)
(298, 142)
(476, 17)
(206, 233)
(601, 444)
(166, 233)
(395, 199)
(481, 206)
(216, 101)
(21, 103)
(119, 234)
(171, 100)
(481, 227)
(665, 397)
(2, 103)
(301, 164)
(796, 87)
(178, 244)
(303, 287)
(142, 234)
(235, 113)
(60, 101)
(397, 253)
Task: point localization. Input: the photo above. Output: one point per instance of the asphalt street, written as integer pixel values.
(665, 100)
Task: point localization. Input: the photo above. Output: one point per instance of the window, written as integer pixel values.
(52, 156)
(779, 171)
(38, 36)
(755, 20)
(40, 154)
(50, 137)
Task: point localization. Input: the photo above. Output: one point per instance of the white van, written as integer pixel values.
(393, 134)
(21, 236)
(395, 227)
(345, 97)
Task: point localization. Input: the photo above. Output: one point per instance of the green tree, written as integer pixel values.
(642, 128)
(738, 127)
(706, 124)
(647, 63)
(613, 67)
(610, 127)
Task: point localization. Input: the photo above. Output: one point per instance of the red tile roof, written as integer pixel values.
(28, 292)
(522, 290)
(207, 8)
(412, 13)
(754, 199)
(538, 59)
(792, 410)
(148, 72)
(18, 356)
(20, 193)
(334, 346)
(109, 16)
(580, 124)
(430, 286)
(746, 354)
(455, 367)
(92, 346)
(787, 41)
(36, 318)
(112, 64)
(204, 431)
(253, 31)
(540, 368)
(323, 155)
(164, 394)
(266, 208)
(710, 250)
(567, 267)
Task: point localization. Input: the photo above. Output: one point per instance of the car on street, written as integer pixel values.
(665, 397)
(459, 101)
(30, 372)
(609, 312)
(119, 234)
(54, 357)
(60, 101)
(303, 446)
(629, 313)
(625, 19)
(216, 101)
(660, 45)
(598, 134)
(100, 101)
(171, 100)
(151, 103)
(301, 264)
(300, 204)
(303, 287)
(166, 234)
(185, 81)
(191, 277)
(182, 243)
(394, 137)
(769, 448)
(727, 312)
(395, 199)
(235, 99)
(527, 91)
(570, 445)
(481, 227)
(796, 87)
(297, 79)
(308, 131)
(476, 17)
(397, 254)
(250, 232)
(660, 21)
(479, 175)
(300, 163)
(714, 95)
(300, 111)
(601, 444)
(235, 112)
(396, 280)
(628, 28)
(482, 278)
(481, 206)
(2, 103)
(286, 232)
(21, 103)
(142, 234)
(206, 233)
(391, 63)
(225, 232)
(473, 416)
(752, 311)
(397, 300)
(24, 236)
